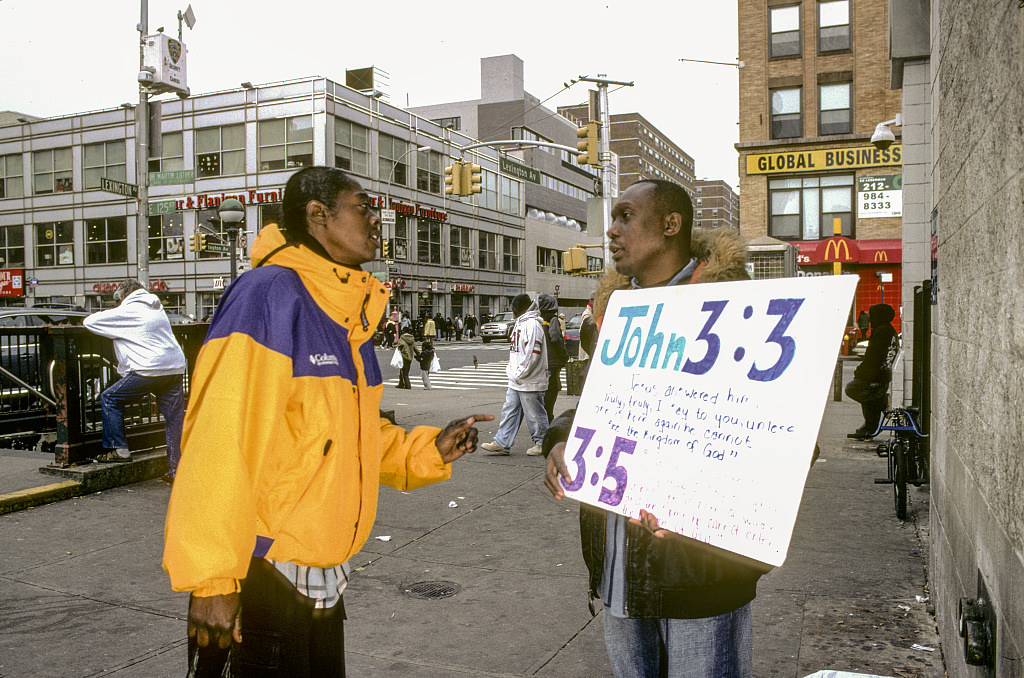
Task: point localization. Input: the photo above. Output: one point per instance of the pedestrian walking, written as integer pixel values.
(429, 328)
(149, 360)
(425, 356)
(557, 355)
(407, 347)
(458, 328)
(527, 372)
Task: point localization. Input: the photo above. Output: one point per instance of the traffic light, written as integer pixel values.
(471, 179)
(587, 147)
(453, 178)
(193, 242)
(202, 243)
(385, 247)
(574, 259)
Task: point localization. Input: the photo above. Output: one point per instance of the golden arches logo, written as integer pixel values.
(832, 249)
(881, 255)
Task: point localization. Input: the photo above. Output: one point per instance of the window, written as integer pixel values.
(393, 160)
(106, 240)
(834, 116)
(166, 237)
(460, 252)
(488, 251)
(172, 154)
(52, 171)
(269, 213)
(351, 147)
(103, 160)
(549, 260)
(428, 172)
(207, 304)
(55, 244)
(400, 243)
(220, 151)
(11, 177)
(510, 201)
(488, 196)
(286, 143)
(428, 241)
(785, 30)
(833, 25)
(786, 121)
(12, 246)
(511, 261)
(449, 123)
(803, 208)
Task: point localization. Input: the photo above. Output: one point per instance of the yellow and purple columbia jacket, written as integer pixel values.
(283, 446)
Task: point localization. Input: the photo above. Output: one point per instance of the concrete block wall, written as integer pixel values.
(977, 485)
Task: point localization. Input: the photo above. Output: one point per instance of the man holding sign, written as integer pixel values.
(674, 606)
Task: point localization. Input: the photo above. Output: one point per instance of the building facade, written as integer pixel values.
(958, 64)
(555, 186)
(813, 86)
(64, 240)
(715, 205)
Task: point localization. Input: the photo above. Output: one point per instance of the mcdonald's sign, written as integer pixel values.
(838, 249)
(881, 255)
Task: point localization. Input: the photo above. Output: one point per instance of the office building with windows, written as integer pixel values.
(813, 85)
(715, 205)
(555, 186)
(65, 240)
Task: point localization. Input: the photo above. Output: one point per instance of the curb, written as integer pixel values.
(86, 479)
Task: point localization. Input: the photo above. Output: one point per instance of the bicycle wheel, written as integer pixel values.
(899, 480)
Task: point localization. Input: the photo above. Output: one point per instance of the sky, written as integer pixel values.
(67, 56)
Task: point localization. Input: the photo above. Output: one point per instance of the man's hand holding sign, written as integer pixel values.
(702, 406)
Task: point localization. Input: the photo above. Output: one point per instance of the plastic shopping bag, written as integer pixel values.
(435, 364)
(396, 360)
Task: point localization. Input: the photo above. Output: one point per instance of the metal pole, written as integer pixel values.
(605, 156)
(142, 159)
(233, 249)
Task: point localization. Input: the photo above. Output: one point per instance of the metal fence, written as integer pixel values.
(51, 379)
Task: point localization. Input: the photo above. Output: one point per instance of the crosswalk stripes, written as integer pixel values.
(467, 378)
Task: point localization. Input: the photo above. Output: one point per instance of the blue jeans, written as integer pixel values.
(170, 398)
(713, 647)
(520, 404)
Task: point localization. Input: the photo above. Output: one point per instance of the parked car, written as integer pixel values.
(498, 327)
(178, 318)
(572, 335)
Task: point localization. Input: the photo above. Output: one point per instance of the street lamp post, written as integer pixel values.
(231, 213)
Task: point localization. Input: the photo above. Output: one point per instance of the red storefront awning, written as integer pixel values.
(847, 250)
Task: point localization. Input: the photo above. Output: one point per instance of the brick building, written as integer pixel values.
(715, 205)
(813, 86)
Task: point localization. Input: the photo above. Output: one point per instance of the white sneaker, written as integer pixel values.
(535, 451)
(494, 447)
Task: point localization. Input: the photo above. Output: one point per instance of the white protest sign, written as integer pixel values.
(702, 406)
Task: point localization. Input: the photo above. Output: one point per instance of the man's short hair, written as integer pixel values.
(520, 303)
(669, 197)
(126, 287)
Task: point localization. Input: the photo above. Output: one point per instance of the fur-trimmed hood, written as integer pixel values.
(721, 254)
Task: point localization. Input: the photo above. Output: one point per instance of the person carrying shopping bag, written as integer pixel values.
(425, 357)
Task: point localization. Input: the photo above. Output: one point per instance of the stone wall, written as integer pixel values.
(977, 514)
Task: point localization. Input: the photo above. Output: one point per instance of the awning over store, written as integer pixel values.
(848, 250)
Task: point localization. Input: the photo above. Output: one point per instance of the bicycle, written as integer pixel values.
(907, 462)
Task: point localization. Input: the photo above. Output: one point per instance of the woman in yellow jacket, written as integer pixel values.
(284, 445)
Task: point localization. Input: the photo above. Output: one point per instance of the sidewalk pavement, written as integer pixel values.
(478, 576)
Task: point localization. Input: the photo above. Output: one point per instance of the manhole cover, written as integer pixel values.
(432, 590)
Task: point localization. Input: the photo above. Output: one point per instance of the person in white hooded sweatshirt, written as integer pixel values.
(149, 360)
(527, 380)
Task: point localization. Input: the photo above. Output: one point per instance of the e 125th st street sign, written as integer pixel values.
(119, 187)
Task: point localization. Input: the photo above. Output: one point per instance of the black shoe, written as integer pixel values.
(860, 434)
(167, 478)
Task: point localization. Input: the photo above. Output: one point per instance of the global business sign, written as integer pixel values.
(819, 160)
